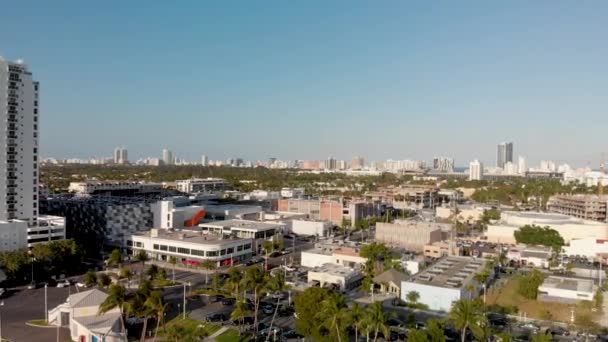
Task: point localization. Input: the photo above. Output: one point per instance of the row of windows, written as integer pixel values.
(197, 252)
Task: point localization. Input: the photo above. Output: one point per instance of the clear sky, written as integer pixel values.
(310, 79)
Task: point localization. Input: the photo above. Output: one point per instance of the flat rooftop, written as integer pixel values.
(337, 270)
(189, 236)
(571, 284)
(228, 207)
(450, 272)
(243, 224)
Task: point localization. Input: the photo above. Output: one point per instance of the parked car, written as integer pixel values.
(279, 295)
(291, 333)
(267, 309)
(64, 283)
(32, 285)
(215, 299)
(286, 311)
(558, 331)
(274, 331)
(216, 317)
(246, 320)
(228, 301)
(530, 326)
(81, 284)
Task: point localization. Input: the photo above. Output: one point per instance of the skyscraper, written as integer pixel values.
(475, 170)
(167, 157)
(120, 156)
(522, 165)
(21, 225)
(443, 164)
(19, 146)
(357, 163)
(204, 160)
(504, 154)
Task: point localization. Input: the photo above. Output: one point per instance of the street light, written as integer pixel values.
(185, 284)
(1, 305)
(46, 311)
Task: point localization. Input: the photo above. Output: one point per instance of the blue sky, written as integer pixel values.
(310, 79)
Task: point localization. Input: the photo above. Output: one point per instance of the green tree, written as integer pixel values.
(309, 323)
(505, 337)
(208, 265)
(240, 312)
(152, 272)
(416, 335)
(115, 259)
(357, 317)
(528, 285)
(255, 279)
(333, 312)
(90, 278)
(173, 262)
(234, 280)
(377, 318)
(142, 257)
(435, 330)
(117, 298)
(154, 303)
(465, 315)
(412, 297)
(536, 235)
(542, 338)
(490, 215)
(180, 330)
(103, 280)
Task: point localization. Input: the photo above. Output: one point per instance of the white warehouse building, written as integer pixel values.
(311, 227)
(446, 282)
(570, 290)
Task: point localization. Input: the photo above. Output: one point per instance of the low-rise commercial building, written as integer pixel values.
(335, 276)
(80, 314)
(328, 254)
(49, 228)
(566, 290)
(592, 248)
(466, 214)
(195, 185)
(311, 227)
(449, 280)
(390, 282)
(412, 235)
(292, 192)
(568, 227)
(192, 247)
(258, 232)
(316, 209)
(537, 256)
(440, 249)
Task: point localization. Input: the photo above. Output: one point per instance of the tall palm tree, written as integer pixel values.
(466, 314)
(173, 262)
(333, 311)
(235, 278)
(377, 318)
(154, 303)
(142, 257)
(357, 318)
(412, 297)
(239, 312)
(276, 284)
(255, 279)
(117, 298)
(208, 265)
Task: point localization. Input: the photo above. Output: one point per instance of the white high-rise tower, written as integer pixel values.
(204, 160)
(522, 165)
(20, 223)
(167, 157)
(475, 170)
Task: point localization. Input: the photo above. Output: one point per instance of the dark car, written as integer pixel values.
(228, 301)
(246, 320)
(497, 320)
(291, 333)
(216, 317)
(558, 331)
(286, 311)
(215, 299)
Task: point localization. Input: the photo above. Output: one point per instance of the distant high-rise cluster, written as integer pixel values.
(443, 164)
(121, 156)
(167, 157)
(475, 170)
(504, 154)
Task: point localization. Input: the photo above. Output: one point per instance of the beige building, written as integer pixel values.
(587, 207)
(465, 214)
(412, 235)
(390, 281)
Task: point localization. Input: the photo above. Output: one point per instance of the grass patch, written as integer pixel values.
(162, 282)
(232, 335)
(39, 322)
(190, 324)
(507, 296)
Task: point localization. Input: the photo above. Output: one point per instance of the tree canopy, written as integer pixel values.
(528, 285)
(536, 235)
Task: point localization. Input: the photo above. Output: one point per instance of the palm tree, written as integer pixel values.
(173, 262)
(357, 317)
(142, 257)
(377, 319)
(466, 314)
(412, 297)
(154, 303)
(117, 298)
(115, 258)
(471, 289)
(239, 312)
(276, 284)
(208, 265)
(333, 310)
(152, 271)
(255, 279)
(235, 278)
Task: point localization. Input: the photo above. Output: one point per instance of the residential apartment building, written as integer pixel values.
(316, 209)
(587, 207)
(115, 188)
(19, 120)
(504, 154)
(475, 170)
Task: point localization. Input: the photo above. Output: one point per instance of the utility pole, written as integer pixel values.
(46, 311)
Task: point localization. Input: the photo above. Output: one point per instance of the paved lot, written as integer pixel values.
(25, 305)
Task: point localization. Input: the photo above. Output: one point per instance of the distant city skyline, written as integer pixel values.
(400, 80)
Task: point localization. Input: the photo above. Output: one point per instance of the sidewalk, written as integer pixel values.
(216, 334)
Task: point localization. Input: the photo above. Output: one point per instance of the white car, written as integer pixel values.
(64, 283)
(79, 284)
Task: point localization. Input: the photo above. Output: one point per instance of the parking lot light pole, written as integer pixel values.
(1, 305)
(184, 313)
(46, 311)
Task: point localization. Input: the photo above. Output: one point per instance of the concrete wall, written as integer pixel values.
(316, 260)
(317, 228)
(412, 236)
